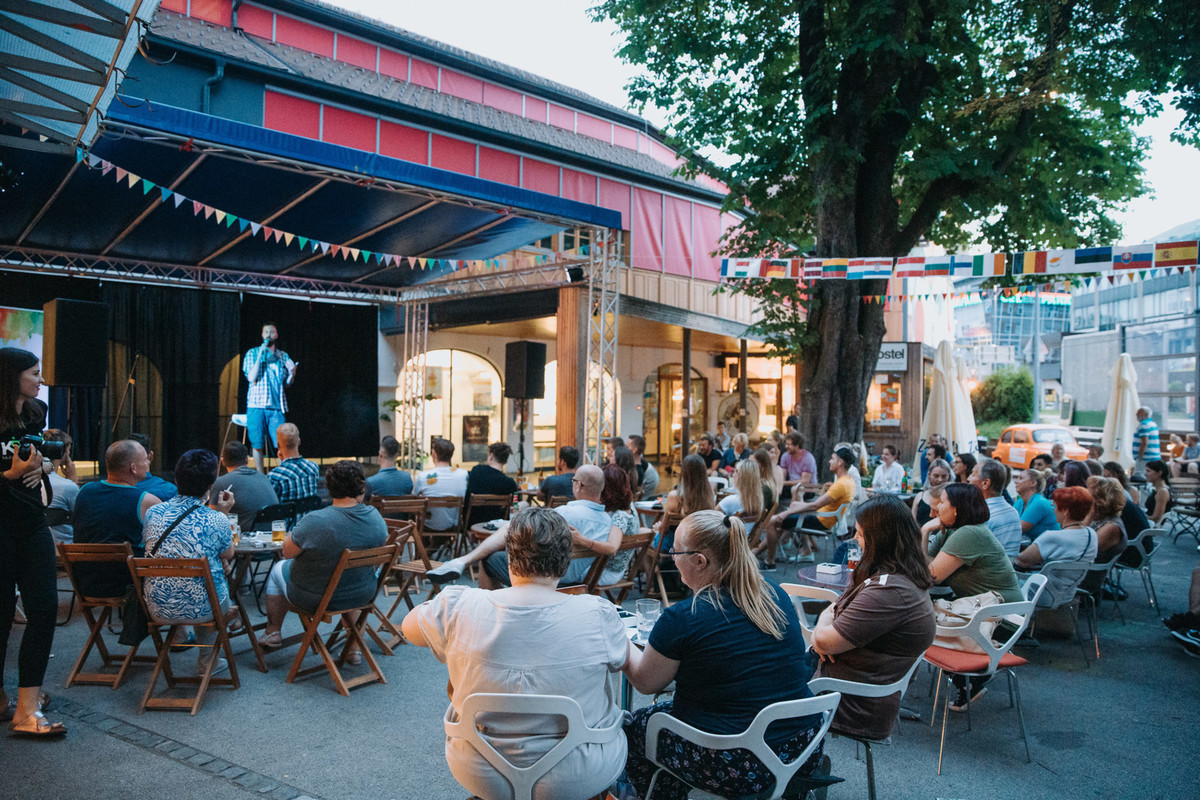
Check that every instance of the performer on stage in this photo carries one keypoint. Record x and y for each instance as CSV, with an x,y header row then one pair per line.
x,y
269,370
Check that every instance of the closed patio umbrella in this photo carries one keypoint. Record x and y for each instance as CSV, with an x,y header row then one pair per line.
x,y
948,411
1120,421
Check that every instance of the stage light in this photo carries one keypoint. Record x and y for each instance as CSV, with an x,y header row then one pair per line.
x,y
9,177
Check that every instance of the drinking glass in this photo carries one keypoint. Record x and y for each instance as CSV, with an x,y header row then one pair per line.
x,y
648,612
278,530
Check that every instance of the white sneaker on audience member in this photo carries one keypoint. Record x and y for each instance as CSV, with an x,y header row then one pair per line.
x,y
450,571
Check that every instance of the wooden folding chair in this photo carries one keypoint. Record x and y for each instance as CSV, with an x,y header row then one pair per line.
x,y
556,500
502,503
639,543
70,555
399,534
655,587
375,558
411,572
197,569
451,539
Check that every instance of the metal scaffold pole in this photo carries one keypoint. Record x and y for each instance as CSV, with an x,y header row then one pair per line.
x,y
410,425
604,272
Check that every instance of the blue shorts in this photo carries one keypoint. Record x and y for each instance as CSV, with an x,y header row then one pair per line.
x,y
258,419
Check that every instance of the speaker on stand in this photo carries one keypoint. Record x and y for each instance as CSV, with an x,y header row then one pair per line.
x,y
524,379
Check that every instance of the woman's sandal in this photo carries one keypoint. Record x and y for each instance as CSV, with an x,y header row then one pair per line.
x,y
9,711
272,639
36,724
355,658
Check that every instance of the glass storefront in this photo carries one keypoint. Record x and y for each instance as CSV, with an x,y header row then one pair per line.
x,y
466,404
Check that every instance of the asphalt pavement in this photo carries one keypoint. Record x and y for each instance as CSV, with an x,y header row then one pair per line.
x,y
1121,727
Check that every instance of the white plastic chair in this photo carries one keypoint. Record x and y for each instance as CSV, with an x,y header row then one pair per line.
x,y
524,778
856,689
1145,553
752,739
994,658
1064,593
799,593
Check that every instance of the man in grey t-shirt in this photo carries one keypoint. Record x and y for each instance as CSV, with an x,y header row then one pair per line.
x,y
252,491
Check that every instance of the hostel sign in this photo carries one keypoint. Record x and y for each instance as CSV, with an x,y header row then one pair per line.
x,y
893,357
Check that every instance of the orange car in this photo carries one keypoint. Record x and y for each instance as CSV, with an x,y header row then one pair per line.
x,y
1020,443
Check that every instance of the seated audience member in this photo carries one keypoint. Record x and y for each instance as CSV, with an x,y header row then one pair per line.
x,y
1058,454
721,439
991,477
799,465
773,450
529,639
738,451
63,484
489,478
1185,626
1188,459
559,484
938,476
821,513
1071,473
1094,467
883,622
769,473
585,514
962,465
1074,541
647,474
934,450
162,489
390,481
1035,511
610,446
314,546
1095,452
623,458
889,475
1108,500
965,555
444,480
199,532
252,491
112,511
295,476
750,497
617,499
1158,496
693,493
707,450
732,649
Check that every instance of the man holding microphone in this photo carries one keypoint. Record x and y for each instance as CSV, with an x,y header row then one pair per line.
x,y
269,370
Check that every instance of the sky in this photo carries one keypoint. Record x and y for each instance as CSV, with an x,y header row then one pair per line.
x,y
557,40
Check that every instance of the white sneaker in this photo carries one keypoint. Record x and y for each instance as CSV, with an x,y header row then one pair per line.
x,y
450,571
218,668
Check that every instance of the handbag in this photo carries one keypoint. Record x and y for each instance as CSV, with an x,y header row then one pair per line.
x,y
135,626
957,613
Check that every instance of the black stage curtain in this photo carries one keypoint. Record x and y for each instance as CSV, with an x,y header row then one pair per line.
x,y
334,399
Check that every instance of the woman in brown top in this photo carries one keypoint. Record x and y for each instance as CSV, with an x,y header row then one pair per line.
x,y
883,622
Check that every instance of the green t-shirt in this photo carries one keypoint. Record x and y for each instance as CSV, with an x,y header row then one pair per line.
x,y
985,565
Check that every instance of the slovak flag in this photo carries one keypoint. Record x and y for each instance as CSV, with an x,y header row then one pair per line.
x,y
1133,256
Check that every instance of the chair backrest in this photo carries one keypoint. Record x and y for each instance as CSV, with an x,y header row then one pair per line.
x,y
446,501
839,515
556,500
306,504
72,554
375,558
1017,614
197,568
1142,545
403,508
268,514
524,778
501,502
753,738
799,593
858,689
1063,578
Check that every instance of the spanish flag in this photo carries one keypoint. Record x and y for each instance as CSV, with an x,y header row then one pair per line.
x,y
1175,254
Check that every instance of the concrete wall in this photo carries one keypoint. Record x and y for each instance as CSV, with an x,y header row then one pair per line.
x,y
1087,360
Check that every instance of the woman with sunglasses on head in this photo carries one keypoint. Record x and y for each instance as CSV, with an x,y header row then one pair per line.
x,y
732,649
884,620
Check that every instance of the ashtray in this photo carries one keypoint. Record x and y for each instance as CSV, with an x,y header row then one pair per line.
x,y
829,569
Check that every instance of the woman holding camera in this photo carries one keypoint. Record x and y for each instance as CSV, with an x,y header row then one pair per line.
x,y
26,544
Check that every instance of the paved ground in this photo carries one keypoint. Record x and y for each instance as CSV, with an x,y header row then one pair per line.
x,y
1122,727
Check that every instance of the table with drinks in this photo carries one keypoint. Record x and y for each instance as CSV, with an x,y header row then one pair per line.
x,y
250,544
638,625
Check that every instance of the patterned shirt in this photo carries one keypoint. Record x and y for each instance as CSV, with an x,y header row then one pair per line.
x,y
203,534
295,478
267,372
1149,429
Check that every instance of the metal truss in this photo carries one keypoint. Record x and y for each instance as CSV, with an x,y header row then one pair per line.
x,y
467,282
604,296
410,412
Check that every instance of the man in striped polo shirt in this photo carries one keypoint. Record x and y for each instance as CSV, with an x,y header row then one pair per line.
x,y
1146,446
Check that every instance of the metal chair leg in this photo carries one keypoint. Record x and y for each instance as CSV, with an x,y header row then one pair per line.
x,y
870,772
1012,681
945,713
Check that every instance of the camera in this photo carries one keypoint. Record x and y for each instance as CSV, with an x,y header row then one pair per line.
x,y
50,450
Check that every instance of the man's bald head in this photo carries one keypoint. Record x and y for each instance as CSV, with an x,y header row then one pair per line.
x,y
122,458
591,482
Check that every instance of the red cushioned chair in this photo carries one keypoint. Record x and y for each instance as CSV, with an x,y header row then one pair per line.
x,y
994,658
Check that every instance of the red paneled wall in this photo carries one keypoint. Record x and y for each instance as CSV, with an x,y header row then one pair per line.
x,y
464,86
539,176
424,74
292,115
453,154
562,117
647,229
677,236
615,197
393,64
303,35
403,142
178,6
499,166
535,109
706,234
579,186
503,99
356,52
218,12
591,126
257,21
349,129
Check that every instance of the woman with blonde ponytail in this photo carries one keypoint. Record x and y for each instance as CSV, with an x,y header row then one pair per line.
x,y
732,650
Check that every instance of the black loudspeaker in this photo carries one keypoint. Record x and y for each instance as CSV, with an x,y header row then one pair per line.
x,y
75,343
525,370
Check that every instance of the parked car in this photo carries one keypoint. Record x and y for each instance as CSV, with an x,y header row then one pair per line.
x,y
1020,443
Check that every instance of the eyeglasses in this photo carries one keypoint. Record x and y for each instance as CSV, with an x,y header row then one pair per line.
x,y
575,481
674,552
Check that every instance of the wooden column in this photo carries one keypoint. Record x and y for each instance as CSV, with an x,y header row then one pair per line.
x,y
571,346
685,428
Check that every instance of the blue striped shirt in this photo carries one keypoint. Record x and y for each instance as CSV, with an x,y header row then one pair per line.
x,y
295,478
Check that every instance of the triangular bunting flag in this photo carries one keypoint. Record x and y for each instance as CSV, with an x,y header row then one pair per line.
x,y
147,186
287,239
230,219
133,179
303,242
178,198
121,174
220,215
255,228
243,224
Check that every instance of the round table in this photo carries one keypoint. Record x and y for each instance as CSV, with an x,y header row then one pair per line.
x,y
648,511
480,530
837,582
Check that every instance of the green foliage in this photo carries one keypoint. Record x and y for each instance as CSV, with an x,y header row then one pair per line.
x,y
1005,396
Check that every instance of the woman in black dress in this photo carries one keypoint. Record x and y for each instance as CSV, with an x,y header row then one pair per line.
x,y
26,544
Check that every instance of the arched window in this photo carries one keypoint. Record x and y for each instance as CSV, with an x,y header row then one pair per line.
x,y
545,414
465,406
